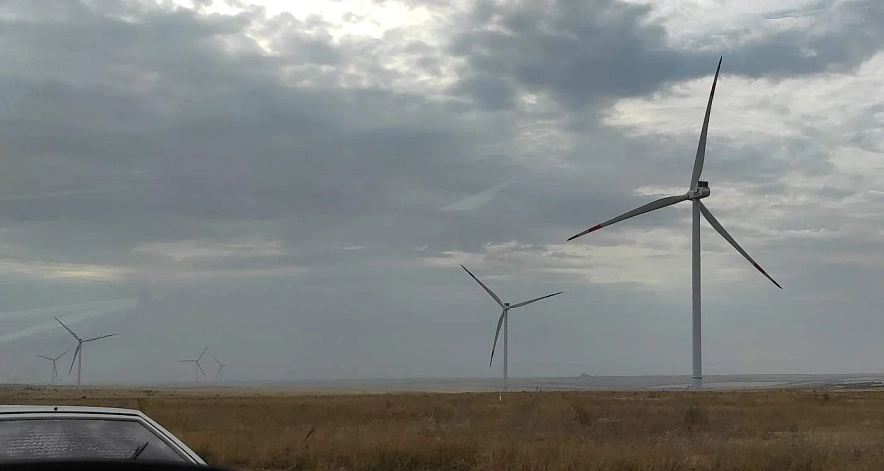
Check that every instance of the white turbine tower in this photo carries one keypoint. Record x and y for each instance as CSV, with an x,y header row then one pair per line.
x,y
220,366
197,367
504,318
78,353
53,360
698,190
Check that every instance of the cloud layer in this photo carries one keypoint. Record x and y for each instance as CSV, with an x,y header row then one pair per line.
x,y
281,175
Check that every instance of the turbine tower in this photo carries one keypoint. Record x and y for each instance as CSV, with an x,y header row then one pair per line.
x,y
78,353
53,360
220,366
197,367
698,190
504,317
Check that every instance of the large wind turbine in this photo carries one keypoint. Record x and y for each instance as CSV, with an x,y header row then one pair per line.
x,y
53,360
698,190
78,353
197,367
504,317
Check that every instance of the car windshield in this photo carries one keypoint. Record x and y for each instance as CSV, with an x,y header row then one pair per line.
x,y
75,438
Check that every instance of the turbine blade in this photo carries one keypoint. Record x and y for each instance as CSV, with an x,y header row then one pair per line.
x,y
483,286
63,354
653,205
49,325
216,360
200,367
69,330
73,360
718,227
701,147
535,300
186,361
50,359
496,334
201,354
99,338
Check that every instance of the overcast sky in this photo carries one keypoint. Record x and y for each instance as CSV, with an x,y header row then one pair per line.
x,y
285,182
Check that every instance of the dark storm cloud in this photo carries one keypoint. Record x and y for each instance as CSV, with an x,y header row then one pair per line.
x,y
581,52
590,52
842,35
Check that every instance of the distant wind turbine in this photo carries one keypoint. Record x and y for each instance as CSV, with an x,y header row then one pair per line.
x,y
698,190
53,360
220,366
504,317
197,367
78,353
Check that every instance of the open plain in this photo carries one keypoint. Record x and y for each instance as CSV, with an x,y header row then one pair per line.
x,y
263,429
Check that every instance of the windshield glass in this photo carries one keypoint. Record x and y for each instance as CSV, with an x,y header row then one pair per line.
x,y
33,439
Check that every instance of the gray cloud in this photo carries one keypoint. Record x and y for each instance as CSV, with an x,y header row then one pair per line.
x,y
589,53
840,36
292,197
582,52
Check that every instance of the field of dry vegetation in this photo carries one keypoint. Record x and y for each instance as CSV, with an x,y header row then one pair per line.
x,y
251,430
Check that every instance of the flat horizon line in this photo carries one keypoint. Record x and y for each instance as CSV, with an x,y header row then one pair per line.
x,y
222,382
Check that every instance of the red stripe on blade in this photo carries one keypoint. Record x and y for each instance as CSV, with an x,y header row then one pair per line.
x,y
593,228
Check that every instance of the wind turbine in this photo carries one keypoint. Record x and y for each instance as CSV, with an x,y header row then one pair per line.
x,y
78,353
504,317
197,367
53,360
220,366
698,190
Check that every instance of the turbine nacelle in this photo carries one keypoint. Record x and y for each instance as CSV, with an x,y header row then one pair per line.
x,y
702,191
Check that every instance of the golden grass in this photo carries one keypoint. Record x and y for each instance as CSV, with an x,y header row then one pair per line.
x,y
772,430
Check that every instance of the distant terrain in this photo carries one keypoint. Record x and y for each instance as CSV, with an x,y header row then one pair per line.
x,y
263,429
579,383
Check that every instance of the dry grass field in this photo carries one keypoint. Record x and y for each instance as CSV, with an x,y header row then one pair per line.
x,y
271,430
